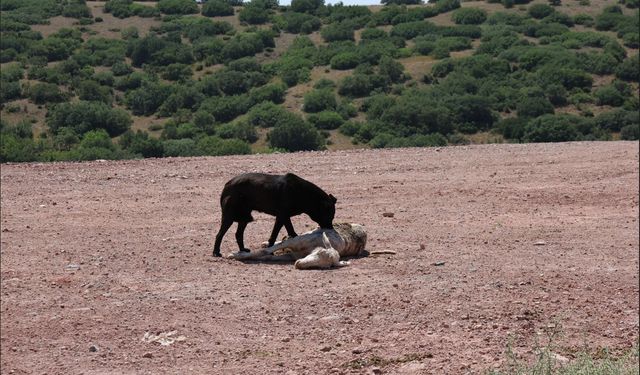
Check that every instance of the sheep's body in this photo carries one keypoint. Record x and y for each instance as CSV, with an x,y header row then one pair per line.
x,y
320,248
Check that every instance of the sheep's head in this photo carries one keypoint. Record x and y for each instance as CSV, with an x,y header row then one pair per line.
x,y
320,257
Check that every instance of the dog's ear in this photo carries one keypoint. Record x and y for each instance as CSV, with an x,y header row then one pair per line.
x,y
333,199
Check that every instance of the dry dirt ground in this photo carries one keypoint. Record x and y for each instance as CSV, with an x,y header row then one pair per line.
x,y
494,244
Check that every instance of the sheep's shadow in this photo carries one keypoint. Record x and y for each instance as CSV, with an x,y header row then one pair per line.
x,y
281,260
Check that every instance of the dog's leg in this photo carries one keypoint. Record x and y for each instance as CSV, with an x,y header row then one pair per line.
x,y
289,226
240,235
224,227
276,229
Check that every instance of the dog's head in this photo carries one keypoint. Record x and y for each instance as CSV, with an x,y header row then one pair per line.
x,y
325,212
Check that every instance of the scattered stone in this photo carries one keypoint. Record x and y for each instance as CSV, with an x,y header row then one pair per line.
x,y
72,267
147,355
357,351
388,214
325,349
539,243
376,370
438,264
93,348
422,247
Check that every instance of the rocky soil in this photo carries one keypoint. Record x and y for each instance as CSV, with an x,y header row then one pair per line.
x,y
494,245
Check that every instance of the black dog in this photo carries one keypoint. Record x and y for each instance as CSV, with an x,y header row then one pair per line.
x,y
280,196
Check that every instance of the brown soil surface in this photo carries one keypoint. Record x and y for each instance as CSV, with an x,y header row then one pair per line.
x,y
534,238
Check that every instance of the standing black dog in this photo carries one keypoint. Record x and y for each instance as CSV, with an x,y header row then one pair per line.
x,y
280,196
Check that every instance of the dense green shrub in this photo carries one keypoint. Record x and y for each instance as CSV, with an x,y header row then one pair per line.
x,y
84,116
319,100
345,60
146,99
76,10
373,33
337,31
325,120
241,130
256,12
551,128
630,132
292,133
226,108
469,16
266,114
540,11
91,90
273,92
357,85
141,144
617,119
217,8
42,93
216,146
300,22
534,106
177,6
629,69
609,95
179,147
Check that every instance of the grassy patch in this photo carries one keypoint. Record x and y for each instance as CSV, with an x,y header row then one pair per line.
x,y
548,360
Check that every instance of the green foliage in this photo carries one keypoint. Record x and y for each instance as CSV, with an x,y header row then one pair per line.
x,y
325,120
629,69
552,128
140,143
534,106
241,130
292,133
337,31
630,132
127,8
319,100
357,85
85,116
397,2
146,99
300,22
91,90
42,93
76,10
266,114
345,60
256,12
617,119
609,95
540,11
306,6
469,16
226,108
273,92
179,147
217,8
216,146
177,6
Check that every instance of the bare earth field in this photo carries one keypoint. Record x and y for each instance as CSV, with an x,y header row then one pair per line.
x,y
534,238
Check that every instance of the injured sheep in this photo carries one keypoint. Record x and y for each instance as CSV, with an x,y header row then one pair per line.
x,y
320,248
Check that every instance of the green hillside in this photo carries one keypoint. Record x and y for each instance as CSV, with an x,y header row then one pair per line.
x,y
123,79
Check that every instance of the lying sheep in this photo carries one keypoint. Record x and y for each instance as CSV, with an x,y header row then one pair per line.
x,y
320,248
